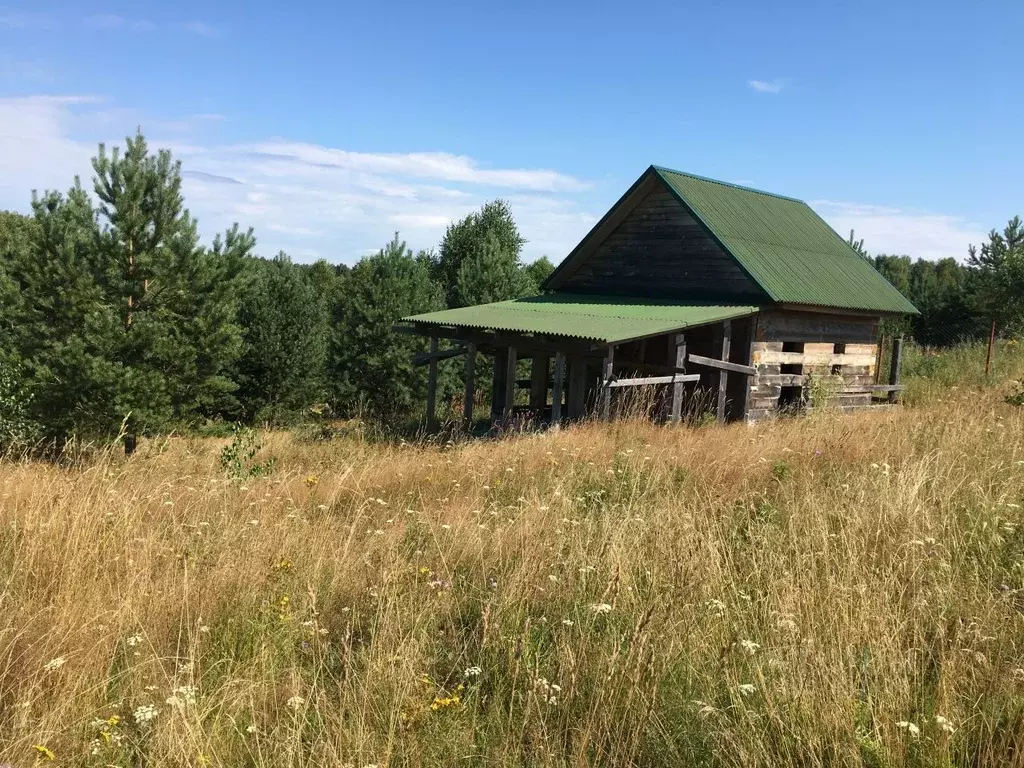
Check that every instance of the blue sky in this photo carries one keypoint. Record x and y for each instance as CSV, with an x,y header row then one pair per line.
x,y
327,126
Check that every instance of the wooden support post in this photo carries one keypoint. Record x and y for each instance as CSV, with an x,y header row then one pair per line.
x,y
539,384
606,380
894,368
556,388
991,344
432,387
677,389
498,386
510,384
878,359
577,386
723,376
467,402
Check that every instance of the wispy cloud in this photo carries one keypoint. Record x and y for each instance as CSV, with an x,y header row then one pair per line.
x,y
113,21
767,86
16,19
202,29
894,230
306,199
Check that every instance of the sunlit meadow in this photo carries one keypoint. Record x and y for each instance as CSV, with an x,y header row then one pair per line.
x,y
834,590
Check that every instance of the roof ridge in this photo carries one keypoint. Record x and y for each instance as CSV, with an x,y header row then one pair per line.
x,y
662,169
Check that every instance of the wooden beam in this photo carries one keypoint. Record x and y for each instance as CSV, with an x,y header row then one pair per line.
x,y
510,383
894,368
711,362
556,388
432,387
523,342
863,389
677,378
470,393
723,375
678,390
606,390
498,386
577,386
422,358
539,383
748,381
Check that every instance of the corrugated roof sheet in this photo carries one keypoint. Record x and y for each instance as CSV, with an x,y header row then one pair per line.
x,y
604,319
785,247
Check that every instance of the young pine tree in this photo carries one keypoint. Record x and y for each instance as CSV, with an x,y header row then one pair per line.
x,y
371,365
285,317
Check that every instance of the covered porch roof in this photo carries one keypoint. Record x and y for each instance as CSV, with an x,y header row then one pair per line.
x,y
604,319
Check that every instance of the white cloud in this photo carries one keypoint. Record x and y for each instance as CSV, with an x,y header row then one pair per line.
x,y
892,230
767,86
113,21
311,201
202,29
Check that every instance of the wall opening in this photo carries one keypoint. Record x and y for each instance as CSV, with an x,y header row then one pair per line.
x,y
791,399
839,349
796,368
837,370
793,346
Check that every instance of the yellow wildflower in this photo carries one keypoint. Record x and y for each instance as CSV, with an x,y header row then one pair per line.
x,y
44,751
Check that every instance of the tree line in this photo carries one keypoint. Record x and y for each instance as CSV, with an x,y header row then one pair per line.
x,y
116,320
959,301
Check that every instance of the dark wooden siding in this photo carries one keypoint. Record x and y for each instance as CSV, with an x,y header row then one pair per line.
x,y
660,250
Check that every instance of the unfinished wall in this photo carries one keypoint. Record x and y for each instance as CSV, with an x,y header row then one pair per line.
x,y
790,347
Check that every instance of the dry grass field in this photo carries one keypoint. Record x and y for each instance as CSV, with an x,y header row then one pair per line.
x,y
816,592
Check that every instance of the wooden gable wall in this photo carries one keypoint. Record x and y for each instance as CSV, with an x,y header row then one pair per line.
x,y
660,250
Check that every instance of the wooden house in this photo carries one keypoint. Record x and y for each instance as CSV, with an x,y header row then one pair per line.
x,y
687,285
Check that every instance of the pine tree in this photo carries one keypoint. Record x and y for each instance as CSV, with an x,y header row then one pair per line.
x,y
488,273
285,317
999,290
491,228
371,365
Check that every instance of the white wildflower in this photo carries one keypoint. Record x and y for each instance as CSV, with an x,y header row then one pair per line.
x,y
295,703
145,714
715,606
944,724
910,728
746,689
54,664
134,640
749,647
600,608
473,672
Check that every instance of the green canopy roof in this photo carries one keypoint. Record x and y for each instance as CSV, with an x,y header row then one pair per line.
x,y
785,247
604,319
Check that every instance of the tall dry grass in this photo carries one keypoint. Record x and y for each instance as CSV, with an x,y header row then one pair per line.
x,y
822,591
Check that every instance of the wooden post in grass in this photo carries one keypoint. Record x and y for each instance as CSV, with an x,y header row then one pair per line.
x,y
510,384
677,388
991,345
539,385
556,388
894,368
723,376
467,402
577,386
432,387
606,380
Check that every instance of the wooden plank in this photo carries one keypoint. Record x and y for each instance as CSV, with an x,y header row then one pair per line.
x,y
510,383
894,368
677,390
577,386
677,378
470,391
498,385
710,362
539,383
723,375
606,391
862,389
432,387
423,358
556,388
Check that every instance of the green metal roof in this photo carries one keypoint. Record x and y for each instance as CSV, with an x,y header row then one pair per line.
x,y
599,318
785,247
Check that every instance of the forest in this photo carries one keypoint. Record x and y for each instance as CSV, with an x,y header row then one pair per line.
x,y
115,320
